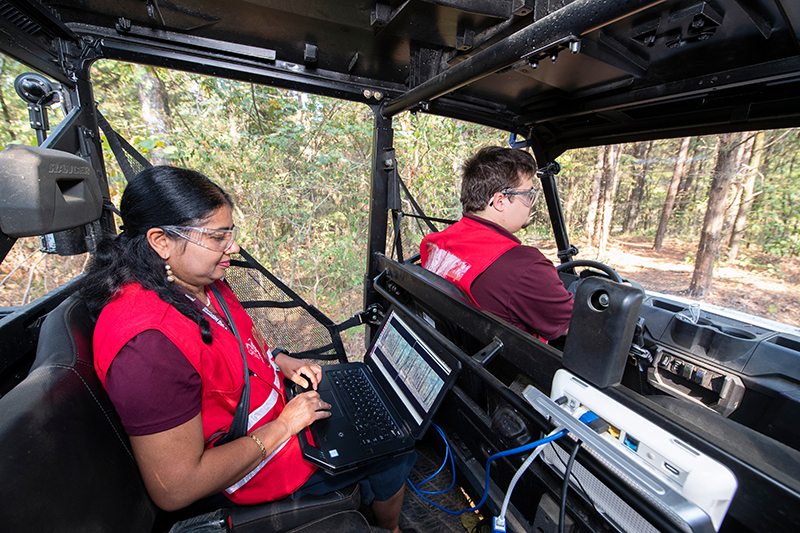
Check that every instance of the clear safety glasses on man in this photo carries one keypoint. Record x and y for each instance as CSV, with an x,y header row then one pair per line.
x,y
528,197
217,240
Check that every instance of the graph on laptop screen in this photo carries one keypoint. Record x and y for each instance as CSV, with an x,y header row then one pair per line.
x,y
409,365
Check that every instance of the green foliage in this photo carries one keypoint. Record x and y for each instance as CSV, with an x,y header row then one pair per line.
x,y
774,227
430,151
298,167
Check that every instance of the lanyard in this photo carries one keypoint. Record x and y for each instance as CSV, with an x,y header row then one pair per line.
x,y
208,312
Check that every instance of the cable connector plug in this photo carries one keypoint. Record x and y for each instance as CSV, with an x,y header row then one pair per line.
x,y
498,525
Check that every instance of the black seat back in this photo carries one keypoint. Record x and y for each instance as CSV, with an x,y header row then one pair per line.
x,y
66,462
444,284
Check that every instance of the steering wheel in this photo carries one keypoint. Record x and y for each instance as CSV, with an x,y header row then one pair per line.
x,y
597,265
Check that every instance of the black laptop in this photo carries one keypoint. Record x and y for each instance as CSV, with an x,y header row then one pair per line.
x,y
381,407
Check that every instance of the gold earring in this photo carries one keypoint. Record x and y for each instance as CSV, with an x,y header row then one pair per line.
x,y
170,277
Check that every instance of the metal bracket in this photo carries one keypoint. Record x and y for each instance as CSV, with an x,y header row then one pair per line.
x,y
393,200
639,354
550,170
514,143
551,50
569,253
486,354
40,93
373,314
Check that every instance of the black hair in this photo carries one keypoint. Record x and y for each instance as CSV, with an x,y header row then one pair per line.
x,y
157,196
491,170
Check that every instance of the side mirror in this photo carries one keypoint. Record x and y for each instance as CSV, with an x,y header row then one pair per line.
x,y
44,191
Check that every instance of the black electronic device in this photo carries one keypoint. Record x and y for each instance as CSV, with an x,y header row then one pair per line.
x,y
601,330
382,406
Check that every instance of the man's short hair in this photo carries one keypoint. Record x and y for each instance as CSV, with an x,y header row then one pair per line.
x,y
491,170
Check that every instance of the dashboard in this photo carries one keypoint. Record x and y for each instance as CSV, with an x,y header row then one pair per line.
x,y
741,367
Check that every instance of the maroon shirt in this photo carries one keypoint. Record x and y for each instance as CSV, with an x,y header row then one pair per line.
x,y
165,385
523,288
152,385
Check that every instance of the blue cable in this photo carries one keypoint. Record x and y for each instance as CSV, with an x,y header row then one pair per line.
x,y
512,451
447,454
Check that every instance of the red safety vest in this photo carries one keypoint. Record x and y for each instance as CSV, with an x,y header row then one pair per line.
x,y
222,371
463,251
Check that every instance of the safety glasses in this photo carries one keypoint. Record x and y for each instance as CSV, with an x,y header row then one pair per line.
x,y
528,197
217,240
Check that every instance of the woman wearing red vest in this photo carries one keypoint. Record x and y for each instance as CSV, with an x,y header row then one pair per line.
x,y
173,367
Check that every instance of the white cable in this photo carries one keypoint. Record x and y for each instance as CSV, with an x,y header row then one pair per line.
x,y
532,457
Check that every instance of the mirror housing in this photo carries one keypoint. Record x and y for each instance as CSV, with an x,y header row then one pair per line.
x,y
44,191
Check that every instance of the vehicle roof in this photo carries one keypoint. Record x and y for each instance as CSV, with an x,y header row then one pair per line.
x,y
565,73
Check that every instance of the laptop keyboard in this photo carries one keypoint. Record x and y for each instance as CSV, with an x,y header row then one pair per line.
x,y
370,417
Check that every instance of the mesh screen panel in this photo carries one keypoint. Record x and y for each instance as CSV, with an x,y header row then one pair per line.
x,y
283,318
134,163
412,230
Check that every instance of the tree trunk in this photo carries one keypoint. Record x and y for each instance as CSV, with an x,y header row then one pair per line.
x,y
155,110
261,129
672,192
747,195
6,113
572,199
642,153
743,153
610,171
708,249
597,184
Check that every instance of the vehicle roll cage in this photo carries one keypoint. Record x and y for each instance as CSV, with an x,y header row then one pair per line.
x,y
518,36
484,61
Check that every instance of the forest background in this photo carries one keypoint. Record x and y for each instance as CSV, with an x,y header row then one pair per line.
x,y
669,214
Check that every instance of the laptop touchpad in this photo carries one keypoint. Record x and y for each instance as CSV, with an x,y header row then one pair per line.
x,y
329,397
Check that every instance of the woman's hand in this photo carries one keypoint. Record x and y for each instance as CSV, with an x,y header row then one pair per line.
x,y
177,470
303,410
305,374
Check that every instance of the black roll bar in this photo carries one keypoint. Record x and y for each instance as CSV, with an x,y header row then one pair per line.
x,y
383,166
566,24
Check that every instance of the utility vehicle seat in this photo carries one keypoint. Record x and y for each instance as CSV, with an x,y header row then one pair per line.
x,y
66,463
446,285
444,326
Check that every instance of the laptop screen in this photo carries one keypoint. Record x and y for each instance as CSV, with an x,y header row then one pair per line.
x,y
410,366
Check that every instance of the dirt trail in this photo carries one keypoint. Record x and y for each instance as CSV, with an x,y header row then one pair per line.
x,y
768,287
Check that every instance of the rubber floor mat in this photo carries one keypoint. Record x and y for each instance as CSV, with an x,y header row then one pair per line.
x,y
423,516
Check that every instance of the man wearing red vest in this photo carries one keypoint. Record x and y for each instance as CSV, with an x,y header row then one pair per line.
x,y
481,255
